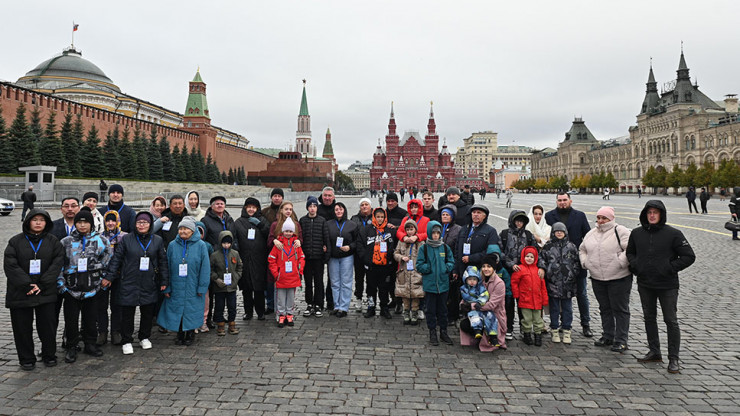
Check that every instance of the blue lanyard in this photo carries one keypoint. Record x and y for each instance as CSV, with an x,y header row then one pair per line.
x,y
35,249
110,239
84,243
184,251
472,229
289,252
364,222
69,229
342,228
223,222
444,230
226,259
147,244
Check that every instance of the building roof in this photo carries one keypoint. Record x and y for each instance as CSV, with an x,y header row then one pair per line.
x,y
304,102
197,105
579,132
409,134
65,70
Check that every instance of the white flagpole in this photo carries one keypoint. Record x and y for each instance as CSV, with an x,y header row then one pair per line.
x,y
73,33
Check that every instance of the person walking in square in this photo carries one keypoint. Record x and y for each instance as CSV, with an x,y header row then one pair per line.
x,y
28,198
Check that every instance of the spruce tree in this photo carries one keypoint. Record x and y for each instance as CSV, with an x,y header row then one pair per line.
x,y
36,138
155,157
141,150
198,165
52,151
177,162
168,166
135,158
225,178
187,165
65,136
77,145
19,135
110,154
92,157
241,176
125,149
6,152
230,178
212,175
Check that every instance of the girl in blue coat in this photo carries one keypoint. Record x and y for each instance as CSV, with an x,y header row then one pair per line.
x,y
190,274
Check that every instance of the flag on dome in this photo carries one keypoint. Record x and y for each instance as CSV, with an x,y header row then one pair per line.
x,y
75,26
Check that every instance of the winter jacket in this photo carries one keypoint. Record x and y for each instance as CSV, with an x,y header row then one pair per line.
x,y
527,286
187,294
691,194
421,222
656,253
169,235
396,215
214,226
435,265
577,224
704,196
277,262
139,287
462,218
559,259
735,201
28,198
114,236
474,294
315,237
96,249
125,212
483,239
326,211
218,266
347,230
99,222
371,237
61,229
17,262
432,214
603,255
513,240
451,231
253,252
468,197
408,282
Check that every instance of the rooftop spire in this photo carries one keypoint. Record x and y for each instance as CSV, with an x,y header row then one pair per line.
x,y
392,115
304,102
431,109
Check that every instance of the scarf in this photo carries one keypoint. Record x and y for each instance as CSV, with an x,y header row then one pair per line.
x,y
379,258
541,230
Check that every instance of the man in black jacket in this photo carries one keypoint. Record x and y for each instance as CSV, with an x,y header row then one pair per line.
x,y
326,208
468,197
427,200
315,248
125,212
463,209
217,219
172,216
28,198
656,253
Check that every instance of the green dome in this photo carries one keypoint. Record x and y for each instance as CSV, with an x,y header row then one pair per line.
x,y
67,70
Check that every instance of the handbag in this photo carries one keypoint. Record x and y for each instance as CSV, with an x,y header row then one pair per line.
x,y
733,225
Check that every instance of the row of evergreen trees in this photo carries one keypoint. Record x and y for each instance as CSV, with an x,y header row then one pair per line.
x,y
122,154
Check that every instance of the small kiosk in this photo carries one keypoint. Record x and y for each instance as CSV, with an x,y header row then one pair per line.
x,y
42,179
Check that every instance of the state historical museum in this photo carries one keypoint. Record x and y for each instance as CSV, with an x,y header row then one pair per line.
x,y
412,161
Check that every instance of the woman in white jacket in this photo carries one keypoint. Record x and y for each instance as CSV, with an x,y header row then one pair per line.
x,y
602,252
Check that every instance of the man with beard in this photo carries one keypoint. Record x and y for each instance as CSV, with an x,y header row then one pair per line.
x,y
126,214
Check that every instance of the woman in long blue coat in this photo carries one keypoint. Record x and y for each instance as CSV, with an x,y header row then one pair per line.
x,y
190,274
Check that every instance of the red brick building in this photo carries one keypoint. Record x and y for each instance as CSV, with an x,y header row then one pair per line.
x,y
412,161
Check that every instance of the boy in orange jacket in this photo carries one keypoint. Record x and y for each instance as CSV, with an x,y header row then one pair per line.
x,y
286,266
530,291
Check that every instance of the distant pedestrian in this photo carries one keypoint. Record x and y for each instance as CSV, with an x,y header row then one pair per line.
x,y
703,199
606,193
28,198
639,192
103,187
656,253
509,196
691,198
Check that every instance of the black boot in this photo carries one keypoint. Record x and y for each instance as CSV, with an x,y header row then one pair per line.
x,y
538,340
71,355
444,337
189,338
180,340
386,313
370,312
527,338
94,350
673,366
433,337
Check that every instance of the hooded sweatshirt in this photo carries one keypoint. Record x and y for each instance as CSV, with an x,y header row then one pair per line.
x,y
513,240
421,221
527,286
657,252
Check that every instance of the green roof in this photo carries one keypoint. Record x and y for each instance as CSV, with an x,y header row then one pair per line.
x,y
304,102
197,77
197,101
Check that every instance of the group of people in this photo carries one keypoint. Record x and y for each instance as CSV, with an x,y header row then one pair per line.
x,y
183,265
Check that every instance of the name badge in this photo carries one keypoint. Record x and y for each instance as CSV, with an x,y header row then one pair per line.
x,y
34,267
183,270
82,265
383,247
288,267
250,234
340,241
227,278
410,265
466,249
144,264
166,226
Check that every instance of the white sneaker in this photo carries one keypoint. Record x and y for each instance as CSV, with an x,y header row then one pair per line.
x,y
145,344
128,349
421,314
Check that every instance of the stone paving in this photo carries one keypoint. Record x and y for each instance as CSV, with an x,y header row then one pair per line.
x,y
380,367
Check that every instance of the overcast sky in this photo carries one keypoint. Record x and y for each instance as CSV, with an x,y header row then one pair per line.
x,y
522,69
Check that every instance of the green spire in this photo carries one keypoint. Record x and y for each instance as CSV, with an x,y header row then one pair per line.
x,y
328,148
304,102
197,105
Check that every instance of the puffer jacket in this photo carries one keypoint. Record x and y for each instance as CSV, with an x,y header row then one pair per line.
x,y
169,235
527,286
409,283
559,259
603,255
421,221
435,265
94,247
214,226
513,240
137,287
17,261
657,252
315,237
253,252
277,260
218,266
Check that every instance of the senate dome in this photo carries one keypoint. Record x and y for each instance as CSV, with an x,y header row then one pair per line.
x,y
67,71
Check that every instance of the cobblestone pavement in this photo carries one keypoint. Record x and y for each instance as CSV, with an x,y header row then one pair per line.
x,y
379,367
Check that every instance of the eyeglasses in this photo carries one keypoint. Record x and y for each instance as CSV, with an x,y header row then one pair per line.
x,y
142,222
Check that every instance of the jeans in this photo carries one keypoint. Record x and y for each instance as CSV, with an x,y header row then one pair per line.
x,y
313,275
22,321
145,322
582,298
378,285
224,299
436,310
669,305
561,313
614,306
340,273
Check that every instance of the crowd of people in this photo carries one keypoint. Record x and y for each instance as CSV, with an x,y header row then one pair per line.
x,y
182,266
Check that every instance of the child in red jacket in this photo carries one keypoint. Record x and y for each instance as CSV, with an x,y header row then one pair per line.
x,y
286,266
530,291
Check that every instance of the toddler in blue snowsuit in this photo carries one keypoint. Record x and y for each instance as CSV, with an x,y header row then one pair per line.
x,y
474,292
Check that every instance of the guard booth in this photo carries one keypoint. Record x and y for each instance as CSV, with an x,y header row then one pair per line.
x,y
42,179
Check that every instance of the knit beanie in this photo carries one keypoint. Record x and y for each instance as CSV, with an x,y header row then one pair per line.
x,y
607,212
277,191
288,225
84,215
144,216
89,195
391,196
559,226
364,200
312,200
115,188
187,222
453,190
